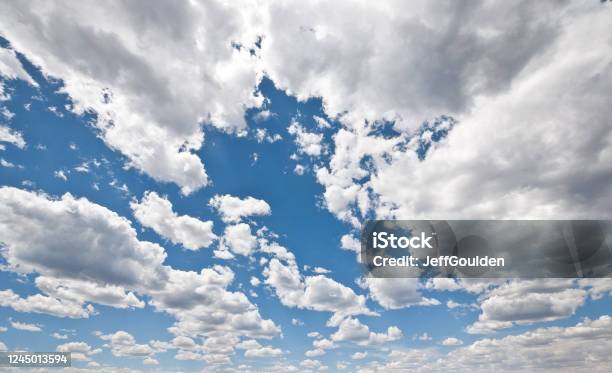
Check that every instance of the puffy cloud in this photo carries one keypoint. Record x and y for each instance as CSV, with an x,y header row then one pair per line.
x,y
454,180
123,344
149,104
451,341
80,291
233,209
359,355
25,326
239,239
527,302
308,143
150,361
12,137
63,240
10,68
254,349
202,306
155,212
44,304
581,348
69,238
352,330
3,347
394,293
318,293
80,351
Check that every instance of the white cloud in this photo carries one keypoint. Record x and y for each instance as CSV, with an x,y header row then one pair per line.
x,y
202,306
5,163
255,281
123,344
72,237
314,353
239,239
150,105
44,304
352,330
57,335
308,143
359,355
452,341
80,291
79,351
11,137
310,363
261,134
395,293
26,327
297,322
150,361
3,347
233,209
527,302
299,169
496,115
155,212
60,174
10,67
254,349
581,348
318,293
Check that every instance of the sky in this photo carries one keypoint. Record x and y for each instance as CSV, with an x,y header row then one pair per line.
x,y
182,184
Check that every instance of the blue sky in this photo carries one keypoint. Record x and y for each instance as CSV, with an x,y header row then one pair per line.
x,y
322,161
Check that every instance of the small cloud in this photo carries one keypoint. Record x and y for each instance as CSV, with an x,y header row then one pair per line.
x,y
60,175
297,322
359,355
452,341
26,327
5,163
299,169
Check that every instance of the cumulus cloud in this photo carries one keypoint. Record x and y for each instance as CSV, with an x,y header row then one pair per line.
x,y
80,291
318,293
79,351
581,348
202,305
239,239
26,327
12,137
155,212
451,341
233,209
123,344
395,293
252,348
352,330
527,302
65,247
308,143
70,237
454,180
10,68
44,304
114,59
